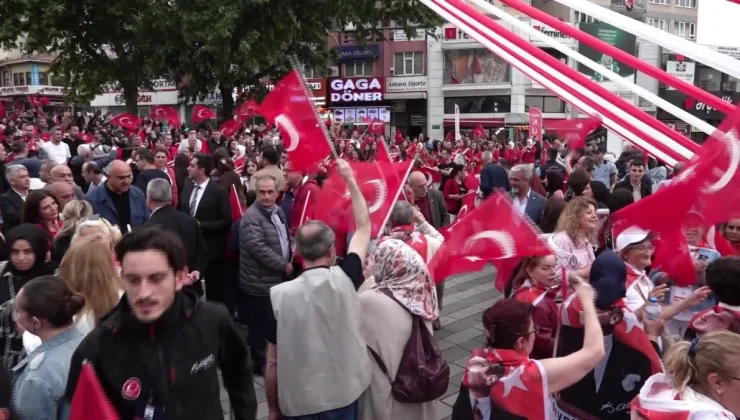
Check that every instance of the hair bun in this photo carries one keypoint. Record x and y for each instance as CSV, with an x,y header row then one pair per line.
x,y
74,304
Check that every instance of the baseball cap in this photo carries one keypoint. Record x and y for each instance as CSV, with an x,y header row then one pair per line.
x,y
630,236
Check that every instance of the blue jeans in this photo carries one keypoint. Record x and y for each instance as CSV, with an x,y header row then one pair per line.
x,y
350,412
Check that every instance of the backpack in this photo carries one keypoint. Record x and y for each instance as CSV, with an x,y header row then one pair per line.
x,y
423,373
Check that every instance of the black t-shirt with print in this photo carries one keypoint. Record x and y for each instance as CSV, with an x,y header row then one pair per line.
x,y
352,267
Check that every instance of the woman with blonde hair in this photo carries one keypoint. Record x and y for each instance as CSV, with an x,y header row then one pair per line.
x,y
102,231
573,241
72,213
700,381
88,270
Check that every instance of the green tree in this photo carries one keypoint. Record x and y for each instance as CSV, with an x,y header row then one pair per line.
x,y
232,43
97,41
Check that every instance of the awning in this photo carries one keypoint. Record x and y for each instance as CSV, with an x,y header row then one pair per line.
x,y
405,95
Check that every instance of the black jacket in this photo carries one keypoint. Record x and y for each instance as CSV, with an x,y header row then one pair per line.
x,y
172,361
213,214
188,230
645,188
11,206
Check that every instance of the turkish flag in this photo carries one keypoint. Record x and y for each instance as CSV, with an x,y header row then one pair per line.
x,y
247,110
237,211
289,107
3,111
239,164
202,113
575,131
479,239
376,126
431,175
380,185
479,131
468,205
383,155
37,100
166,113
126,120
89,400
230,127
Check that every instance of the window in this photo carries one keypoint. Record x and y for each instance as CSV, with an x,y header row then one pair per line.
x,y
550,104
479,104
6,79
358,69
686,3
408,64
666,2
57,80
661,24
43,79
709,78
474,66
686,30
584,18
19,79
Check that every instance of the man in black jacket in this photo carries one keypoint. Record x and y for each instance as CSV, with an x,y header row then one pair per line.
x,y
159,350
635,181
209,204
11,202
186,227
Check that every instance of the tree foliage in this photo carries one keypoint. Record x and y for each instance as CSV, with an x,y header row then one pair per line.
x,y
201,44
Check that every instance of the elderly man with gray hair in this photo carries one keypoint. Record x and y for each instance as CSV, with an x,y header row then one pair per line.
x,y
318,314
526,201
183,225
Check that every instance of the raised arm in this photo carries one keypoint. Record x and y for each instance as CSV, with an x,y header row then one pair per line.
x,y
361,239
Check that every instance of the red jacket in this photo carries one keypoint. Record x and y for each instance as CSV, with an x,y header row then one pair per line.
x,y
301,194
512,155
527,156
451,188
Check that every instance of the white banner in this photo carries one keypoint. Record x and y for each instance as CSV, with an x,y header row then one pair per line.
x,y
681,70
457,123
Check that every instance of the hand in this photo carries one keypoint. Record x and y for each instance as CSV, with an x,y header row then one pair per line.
x,y
193,276
345,171
659,292
418,216
662,278
585,292
274,416
653,329
697,296
289,269
446,172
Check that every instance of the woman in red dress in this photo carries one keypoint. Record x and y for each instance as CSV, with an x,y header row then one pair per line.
x,y
42,210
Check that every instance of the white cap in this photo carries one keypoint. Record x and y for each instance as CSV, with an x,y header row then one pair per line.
x,y
630,236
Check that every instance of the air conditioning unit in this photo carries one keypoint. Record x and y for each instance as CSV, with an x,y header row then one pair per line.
x,y
333,71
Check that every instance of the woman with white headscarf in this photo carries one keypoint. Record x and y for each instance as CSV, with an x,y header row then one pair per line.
x,y
399,271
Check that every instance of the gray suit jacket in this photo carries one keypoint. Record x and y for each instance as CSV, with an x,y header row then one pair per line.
x,y
535,207
438,209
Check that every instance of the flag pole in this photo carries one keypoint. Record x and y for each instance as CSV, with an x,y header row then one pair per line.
x,y
400,188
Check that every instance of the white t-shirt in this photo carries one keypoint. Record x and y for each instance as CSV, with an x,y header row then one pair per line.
x,y
59,153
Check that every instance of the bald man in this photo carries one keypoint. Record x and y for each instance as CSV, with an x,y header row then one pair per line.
x,y
62,173
63,193
431,204
117,201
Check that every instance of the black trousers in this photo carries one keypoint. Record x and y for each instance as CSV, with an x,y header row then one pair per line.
x,y
253,312
215,277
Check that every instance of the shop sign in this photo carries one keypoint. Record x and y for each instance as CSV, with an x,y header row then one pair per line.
x,y
360,114
142,99
681,70
31,90
400,35
356,89
358,53
158,85
406,84
549,31
317,89
696,108
453,35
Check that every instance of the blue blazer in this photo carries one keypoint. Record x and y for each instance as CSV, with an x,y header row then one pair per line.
x,y
103,205
535,207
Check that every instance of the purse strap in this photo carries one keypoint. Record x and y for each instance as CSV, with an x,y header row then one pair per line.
x,y
375,354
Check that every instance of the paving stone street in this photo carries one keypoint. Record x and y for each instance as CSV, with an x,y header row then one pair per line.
x,y
466,297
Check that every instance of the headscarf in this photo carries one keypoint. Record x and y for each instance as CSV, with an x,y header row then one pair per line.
x,y
402,271
39,242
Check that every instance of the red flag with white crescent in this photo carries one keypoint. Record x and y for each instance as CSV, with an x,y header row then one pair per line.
x,y
239,164
247,110
376,126
379,185
293,111
166,113
431,175
468,205
383,153
230,127
575,131
479,239
237,210
126,120
202,113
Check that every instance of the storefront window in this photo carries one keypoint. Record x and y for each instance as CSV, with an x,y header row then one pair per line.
x,y
479,104
710,79
19,79
474,66
549,104
43,79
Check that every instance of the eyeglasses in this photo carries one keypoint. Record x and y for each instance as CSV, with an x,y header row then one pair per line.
x,y
642,248
732,228
535,330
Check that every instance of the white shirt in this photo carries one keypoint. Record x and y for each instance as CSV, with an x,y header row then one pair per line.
x,y
521,205
59,153
185,145
639,291
199,191
23,196
94,185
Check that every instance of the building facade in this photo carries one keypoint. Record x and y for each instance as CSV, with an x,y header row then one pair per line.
x,y
23,75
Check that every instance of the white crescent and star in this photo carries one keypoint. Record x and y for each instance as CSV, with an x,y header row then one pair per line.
x,y
381,191
428,176
500,238
284,122
732,143
125,120
514,380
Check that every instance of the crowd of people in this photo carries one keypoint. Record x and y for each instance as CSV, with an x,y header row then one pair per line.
x,y
159,256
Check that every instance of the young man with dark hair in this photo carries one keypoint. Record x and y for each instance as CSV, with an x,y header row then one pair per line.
x,y
160,348
635,181
144,160
270,161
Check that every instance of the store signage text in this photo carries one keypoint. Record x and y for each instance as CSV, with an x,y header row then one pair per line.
x,y
26,90
157,85
549,31
142,99
355,52
699,106
406,84
356,90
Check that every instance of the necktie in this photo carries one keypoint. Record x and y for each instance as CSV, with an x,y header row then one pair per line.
x,y
194,200
477,414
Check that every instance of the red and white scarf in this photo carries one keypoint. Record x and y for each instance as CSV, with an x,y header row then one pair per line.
x,y
658,400
722,317
509,380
